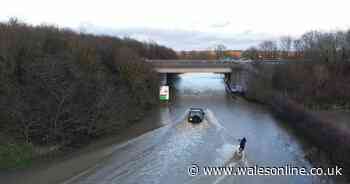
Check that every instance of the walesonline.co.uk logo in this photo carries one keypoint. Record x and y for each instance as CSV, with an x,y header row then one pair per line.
x,y
256,170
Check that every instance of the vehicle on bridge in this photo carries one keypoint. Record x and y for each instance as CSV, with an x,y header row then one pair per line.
x,y
196,115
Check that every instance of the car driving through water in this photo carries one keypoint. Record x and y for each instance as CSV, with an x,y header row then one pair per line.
x,y
196,115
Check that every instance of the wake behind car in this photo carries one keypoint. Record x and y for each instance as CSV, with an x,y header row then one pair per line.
x,y
196,115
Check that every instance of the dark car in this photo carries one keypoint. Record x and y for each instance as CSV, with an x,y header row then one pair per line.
x,y
196,115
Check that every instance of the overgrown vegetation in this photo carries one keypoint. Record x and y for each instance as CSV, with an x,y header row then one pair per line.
x,y
316,76
317,72
61,87
317,46
314,85
294,88
15,155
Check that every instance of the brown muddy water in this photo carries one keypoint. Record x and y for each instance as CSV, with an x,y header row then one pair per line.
x,y
164,155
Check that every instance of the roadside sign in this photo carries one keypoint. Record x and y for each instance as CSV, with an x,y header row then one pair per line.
x,y
164,93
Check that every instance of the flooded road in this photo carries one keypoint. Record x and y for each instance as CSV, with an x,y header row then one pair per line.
x,y
165,154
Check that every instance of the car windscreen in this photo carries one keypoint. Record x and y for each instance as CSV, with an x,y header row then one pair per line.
x,y
196,113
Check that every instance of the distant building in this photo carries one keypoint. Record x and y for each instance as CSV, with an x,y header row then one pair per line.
x,y
208,54
234,54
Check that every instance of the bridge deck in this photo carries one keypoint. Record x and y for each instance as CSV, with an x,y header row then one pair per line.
x,y
187,66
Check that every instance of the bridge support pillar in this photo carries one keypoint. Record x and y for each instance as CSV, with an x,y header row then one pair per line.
x,y
227,78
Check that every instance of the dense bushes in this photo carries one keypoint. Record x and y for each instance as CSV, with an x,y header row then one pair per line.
x,y
321,133
315,85
317,74
61,87
291,89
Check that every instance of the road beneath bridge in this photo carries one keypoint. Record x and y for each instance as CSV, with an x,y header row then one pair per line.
x,y
164,155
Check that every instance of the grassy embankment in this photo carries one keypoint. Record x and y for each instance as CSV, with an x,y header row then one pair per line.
x,y
60,89
292,90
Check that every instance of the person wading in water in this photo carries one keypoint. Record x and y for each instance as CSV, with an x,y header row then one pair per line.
x,y
238,155
242,144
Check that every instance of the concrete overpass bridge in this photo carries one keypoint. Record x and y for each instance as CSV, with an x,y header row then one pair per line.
x,y
194,66
235,72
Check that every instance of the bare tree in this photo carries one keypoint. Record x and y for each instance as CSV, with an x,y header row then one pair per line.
x,y
347,46
311,49
62,87
268,49
298,48
285,44
342,40
219,51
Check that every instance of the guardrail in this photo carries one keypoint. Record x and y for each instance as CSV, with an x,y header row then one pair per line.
x,y
192,63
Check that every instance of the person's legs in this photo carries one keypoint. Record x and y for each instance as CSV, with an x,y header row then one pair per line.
x,y
241,147
242,143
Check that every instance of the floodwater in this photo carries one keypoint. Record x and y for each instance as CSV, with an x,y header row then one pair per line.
x,y
166,154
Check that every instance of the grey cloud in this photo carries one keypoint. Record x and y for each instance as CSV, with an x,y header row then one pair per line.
x,y
186,40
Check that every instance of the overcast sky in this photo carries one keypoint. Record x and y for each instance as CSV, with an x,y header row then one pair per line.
x,y
185,24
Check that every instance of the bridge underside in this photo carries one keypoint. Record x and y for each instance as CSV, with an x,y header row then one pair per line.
x,y
194,70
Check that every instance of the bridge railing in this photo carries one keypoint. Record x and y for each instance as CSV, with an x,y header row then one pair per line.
x,y
192,63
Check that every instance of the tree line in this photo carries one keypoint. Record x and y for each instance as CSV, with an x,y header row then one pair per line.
x,y
295,89
58,86
312,45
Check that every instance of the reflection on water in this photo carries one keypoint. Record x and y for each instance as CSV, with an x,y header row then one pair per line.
x,y
269,144
164,155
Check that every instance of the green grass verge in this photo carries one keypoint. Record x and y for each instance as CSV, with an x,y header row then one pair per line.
x,y
15,155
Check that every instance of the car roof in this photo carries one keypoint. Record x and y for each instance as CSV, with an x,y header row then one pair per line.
x,y
196,109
